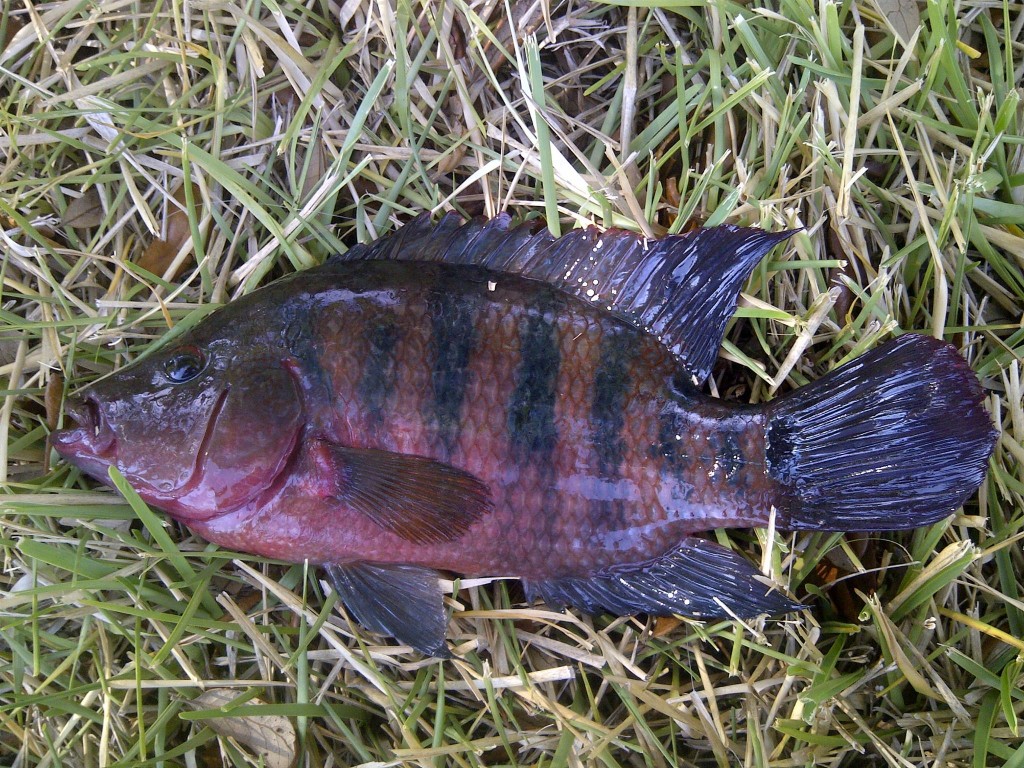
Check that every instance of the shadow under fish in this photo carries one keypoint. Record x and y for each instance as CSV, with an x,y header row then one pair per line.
x,y
493,401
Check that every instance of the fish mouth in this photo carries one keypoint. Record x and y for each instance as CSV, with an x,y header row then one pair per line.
x,y
89,442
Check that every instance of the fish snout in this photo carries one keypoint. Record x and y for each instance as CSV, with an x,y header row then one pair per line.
x,y
89,434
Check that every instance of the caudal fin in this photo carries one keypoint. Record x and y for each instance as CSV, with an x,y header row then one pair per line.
x,y
896,439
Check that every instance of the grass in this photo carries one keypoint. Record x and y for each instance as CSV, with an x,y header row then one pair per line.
x,y
157,158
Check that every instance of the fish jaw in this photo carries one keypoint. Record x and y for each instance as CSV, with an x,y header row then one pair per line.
x,y
90,444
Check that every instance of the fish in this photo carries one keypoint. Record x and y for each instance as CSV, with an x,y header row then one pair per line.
x,y
485,399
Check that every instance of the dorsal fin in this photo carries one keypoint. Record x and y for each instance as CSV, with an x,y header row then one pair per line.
x,y
681,288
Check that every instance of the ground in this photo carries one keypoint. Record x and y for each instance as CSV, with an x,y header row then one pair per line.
x,y
159,157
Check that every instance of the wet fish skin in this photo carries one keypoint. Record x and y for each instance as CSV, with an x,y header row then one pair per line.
x,y
579,468
486,400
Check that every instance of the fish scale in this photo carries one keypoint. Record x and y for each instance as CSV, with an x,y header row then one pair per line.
x,y
556,482
562,483
491,401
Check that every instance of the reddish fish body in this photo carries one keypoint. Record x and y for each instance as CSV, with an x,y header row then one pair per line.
x,y
593,447
494,402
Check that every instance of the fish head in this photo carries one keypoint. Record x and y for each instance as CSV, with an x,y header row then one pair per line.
x,y
197,428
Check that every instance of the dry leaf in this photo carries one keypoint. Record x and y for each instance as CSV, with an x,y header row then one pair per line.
x,y
52,398
317,167
161,253
525,20
9,341
836,251
903,16
664,625
450,161
85,211
9,27
271,737
843,581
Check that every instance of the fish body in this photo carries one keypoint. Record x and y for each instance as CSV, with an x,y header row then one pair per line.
x,y
491,401
590,450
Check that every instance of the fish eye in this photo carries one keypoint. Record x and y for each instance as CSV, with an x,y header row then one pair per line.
x,y
184,365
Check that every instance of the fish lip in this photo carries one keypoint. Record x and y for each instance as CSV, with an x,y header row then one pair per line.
x,y
90,436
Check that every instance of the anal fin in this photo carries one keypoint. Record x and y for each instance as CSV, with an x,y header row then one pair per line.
x,y
697,579
403,601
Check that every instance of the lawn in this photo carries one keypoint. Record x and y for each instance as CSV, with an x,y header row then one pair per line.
x,y
159,157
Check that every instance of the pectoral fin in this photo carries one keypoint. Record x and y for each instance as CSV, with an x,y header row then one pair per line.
x,y
403,601
421,500
697,579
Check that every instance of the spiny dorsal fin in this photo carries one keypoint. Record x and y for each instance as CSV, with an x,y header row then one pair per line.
x,y
682,288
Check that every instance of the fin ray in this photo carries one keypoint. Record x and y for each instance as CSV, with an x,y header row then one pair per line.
x,y
403,601
698,579
898,438
683,288
421,500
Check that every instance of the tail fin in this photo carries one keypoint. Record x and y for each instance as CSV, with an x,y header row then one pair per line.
x,y
896,439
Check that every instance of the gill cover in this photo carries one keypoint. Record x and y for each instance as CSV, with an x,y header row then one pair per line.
x,y
249,439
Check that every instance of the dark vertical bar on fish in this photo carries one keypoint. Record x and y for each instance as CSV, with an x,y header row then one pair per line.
x,y
377,384
454,328
531,411
611,386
